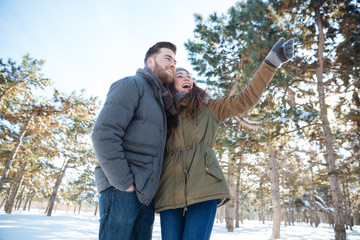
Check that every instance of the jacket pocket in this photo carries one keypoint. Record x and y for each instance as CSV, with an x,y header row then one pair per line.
x,y
141,175
141,170
212,168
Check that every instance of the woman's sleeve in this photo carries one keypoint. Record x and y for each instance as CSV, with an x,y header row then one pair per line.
x,y
237,104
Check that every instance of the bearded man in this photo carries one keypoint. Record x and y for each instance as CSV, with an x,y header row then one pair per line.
x,y
129,139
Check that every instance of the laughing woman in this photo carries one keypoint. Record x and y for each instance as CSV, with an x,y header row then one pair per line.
x,y
192,184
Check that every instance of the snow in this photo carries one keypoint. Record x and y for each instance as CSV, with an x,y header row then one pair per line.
x,y
320,199
307,204
306,116
282,120
35,225
251,122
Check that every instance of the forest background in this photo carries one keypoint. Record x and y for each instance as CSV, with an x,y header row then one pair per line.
x,y
293,158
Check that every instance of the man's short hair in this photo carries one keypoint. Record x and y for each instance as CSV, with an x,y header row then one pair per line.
x,y
156,48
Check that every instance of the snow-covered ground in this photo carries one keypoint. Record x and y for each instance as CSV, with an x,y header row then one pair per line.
x,y
34,225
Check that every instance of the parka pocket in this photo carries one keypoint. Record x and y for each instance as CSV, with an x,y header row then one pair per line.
x,y
212,168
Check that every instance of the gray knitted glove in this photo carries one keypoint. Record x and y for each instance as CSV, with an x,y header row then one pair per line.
x,y
281,52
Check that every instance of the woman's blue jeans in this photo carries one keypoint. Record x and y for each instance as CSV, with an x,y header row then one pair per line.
x,y
197,223
123,217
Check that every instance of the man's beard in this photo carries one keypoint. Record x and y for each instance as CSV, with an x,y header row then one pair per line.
x,y
162,73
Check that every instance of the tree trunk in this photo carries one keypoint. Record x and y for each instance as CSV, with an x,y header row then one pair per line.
x,y
340,233
237,205
13,154
275,194
357,215
96,209
292,205
262,215
313,217
289,209
55,190
242,203
79,208
238,196
3,201
230,207
19,199
47,208
284,214
330,219
220,213
28,198
14,190
347,205
305,219
31,201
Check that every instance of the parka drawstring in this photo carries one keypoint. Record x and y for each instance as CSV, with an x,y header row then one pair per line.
x,y
185,186
179,156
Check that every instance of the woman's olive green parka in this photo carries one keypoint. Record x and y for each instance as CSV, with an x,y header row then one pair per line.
x,y
191,172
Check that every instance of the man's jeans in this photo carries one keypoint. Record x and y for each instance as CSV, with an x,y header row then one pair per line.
x,y
123,217
197,223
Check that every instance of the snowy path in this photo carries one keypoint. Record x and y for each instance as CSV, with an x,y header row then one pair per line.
x,y
34,225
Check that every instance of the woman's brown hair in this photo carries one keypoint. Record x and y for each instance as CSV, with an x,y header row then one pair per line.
x,y
195,101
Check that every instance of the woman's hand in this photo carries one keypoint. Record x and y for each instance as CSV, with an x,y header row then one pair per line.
x,y
281,52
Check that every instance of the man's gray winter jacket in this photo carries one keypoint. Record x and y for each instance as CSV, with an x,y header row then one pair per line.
x,y
129,136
